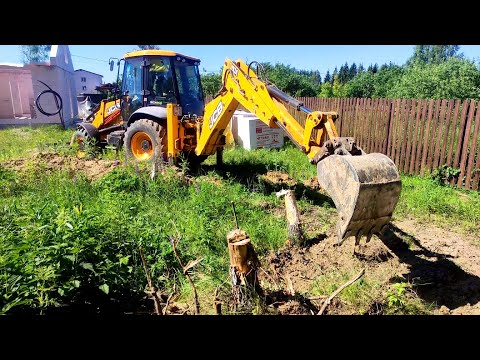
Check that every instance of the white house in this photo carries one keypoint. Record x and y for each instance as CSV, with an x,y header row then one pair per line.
x,y
86,81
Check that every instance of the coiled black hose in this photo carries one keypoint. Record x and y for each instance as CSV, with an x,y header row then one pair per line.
x,y
58,102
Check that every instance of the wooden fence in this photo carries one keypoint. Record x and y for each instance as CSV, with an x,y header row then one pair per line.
x,y
420,136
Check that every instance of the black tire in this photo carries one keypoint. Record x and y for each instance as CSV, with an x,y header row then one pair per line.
x,y
86,144
143,137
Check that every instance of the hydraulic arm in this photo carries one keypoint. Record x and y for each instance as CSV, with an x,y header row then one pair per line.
x,y
364,187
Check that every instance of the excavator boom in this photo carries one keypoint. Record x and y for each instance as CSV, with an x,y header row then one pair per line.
x,y
364,187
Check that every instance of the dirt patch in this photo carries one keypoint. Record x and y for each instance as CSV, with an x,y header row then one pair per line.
x,y
48,162
312,183
300,268
444,262
276,178
441,268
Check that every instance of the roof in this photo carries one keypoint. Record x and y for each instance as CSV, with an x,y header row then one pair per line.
x,y
89,72
158,53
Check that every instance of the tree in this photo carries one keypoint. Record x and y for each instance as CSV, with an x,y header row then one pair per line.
x,y
211,84
352,72
148,47
290,80
361,69
433,54
335,72
343,74
386,79
326,90
338,89
375,68
455,78
35,53
328,78
361,86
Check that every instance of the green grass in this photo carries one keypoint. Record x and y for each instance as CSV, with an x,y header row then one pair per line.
x,y
426,200
62,240
74,243
19,142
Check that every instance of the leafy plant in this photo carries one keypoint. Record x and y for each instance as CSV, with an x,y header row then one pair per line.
x,y
444,174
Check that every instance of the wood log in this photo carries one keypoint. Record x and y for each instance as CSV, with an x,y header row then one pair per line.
x,y
294,227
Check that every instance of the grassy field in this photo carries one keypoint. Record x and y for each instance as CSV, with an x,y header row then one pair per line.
x,y
68,243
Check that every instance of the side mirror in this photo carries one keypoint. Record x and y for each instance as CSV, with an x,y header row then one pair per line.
x,y
112,64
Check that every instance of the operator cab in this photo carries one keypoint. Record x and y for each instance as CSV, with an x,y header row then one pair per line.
x,y
159,77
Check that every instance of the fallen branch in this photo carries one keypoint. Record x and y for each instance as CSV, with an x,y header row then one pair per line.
x,y
153,289
336,292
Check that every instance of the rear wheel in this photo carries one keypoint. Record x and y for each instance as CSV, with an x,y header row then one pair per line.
x,y
143,137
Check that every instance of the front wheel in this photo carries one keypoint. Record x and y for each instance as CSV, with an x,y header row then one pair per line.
x,y
143,137
83,142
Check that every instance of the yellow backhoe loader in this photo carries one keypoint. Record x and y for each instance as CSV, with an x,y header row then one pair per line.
x,y
161,112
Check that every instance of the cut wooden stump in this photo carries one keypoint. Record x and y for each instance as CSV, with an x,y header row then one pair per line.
x,y
243,262
294,226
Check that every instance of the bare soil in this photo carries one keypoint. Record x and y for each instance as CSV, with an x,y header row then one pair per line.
x,y
93,169
442,267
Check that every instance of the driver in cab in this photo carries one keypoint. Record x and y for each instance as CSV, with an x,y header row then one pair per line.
x,y
161,84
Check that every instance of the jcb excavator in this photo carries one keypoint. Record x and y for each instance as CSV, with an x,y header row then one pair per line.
x,y
161,112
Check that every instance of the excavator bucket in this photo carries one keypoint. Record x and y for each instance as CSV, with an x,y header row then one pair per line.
x,y
365,190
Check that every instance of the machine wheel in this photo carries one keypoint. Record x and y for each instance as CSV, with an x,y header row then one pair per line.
x,y
142,137
84,142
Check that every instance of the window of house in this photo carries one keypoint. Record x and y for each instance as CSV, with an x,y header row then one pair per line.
x,y
84,79
84,88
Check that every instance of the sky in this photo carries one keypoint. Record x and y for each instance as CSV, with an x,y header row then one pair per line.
x,y
95,58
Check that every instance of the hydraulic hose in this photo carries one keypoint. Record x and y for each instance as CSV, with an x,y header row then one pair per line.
x,y
58,103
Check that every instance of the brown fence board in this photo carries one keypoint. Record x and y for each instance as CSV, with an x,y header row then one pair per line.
x,y
411,167
363,121
356,120
426,135
400,130
387,148
440,126
473,149
453,132
463,140
399,135
405,134
377,124
411,126
466,140
432,133
448,120
422,125
351,118
393,134
369,123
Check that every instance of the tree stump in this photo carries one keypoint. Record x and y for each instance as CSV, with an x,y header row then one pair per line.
x,y
294,227
243,262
